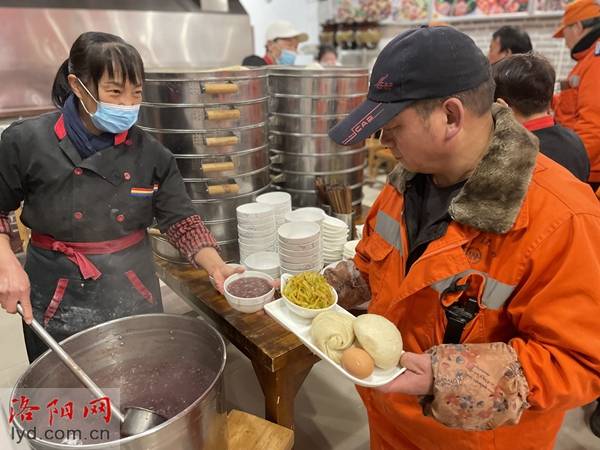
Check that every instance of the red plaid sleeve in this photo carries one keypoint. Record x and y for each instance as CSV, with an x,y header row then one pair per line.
x,y
4,224
189,236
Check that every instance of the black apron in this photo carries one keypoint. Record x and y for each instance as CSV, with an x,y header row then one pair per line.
x,y
108,196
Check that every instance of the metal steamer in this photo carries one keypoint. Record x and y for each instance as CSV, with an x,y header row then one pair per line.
x,y
304,105
215,123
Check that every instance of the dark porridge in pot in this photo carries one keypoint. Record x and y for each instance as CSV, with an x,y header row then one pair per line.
x,y
249,287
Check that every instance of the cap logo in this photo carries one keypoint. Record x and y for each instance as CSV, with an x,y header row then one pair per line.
x,y
362,123
383,85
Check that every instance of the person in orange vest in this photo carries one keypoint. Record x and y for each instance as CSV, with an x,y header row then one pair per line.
x,y
577,106
480,250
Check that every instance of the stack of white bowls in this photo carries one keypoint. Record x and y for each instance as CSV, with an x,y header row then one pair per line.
x,y
256,229
300,247
308,214
335,234
281,202
350,249
265,262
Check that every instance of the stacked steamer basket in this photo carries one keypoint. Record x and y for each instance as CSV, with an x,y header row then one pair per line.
x,y
215,125
305,104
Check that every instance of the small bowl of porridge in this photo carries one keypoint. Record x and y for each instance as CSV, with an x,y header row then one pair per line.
x,y
248,292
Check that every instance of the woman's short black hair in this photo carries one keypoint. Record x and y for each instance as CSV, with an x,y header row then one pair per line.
x,y
513,39
92,54
323,49
525,82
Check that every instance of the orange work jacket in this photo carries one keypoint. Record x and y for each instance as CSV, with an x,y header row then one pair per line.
x,y
578,106
541,295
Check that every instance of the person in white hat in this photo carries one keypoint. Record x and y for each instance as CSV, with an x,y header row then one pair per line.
x,y
281,46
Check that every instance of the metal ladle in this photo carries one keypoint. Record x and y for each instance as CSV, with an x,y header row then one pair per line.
x,y
136,420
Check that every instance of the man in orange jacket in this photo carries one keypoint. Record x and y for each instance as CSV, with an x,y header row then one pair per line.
x,y
481,250
578,105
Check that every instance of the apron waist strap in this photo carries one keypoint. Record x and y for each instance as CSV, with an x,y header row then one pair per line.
x,y
76,251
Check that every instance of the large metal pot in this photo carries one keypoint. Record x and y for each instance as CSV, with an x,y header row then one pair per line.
x,y
212,142
224,208
245,183
203,117
295,123
315,105
220,166
229,250
306,143
224,86
322,162
169,363
306,181
330,81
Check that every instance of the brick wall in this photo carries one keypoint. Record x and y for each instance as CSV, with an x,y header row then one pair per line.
x,y
540,30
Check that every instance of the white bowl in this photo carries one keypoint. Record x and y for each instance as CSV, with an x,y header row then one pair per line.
x,y
212,280
248,305
299,233
299,215
249,236
259,227
359,231
263,262
301,266
253,211
275,199
255,241
294,250
307,313
288,260
334,224
312,209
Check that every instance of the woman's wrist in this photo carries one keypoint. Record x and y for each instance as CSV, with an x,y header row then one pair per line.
x,y
209,259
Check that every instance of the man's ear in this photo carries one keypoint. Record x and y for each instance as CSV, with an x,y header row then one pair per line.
x,y
455,116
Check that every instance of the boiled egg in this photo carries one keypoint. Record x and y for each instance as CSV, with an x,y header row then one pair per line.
x,y
357,362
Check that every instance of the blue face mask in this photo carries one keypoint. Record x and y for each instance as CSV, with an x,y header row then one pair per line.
x,y
286,58
110,117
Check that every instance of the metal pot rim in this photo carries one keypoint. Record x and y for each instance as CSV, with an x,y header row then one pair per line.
x,y
220,155
208,75
147,432
205,130
205,105
239,175
335,172
332,97
310,116
331,72
352,151
217,200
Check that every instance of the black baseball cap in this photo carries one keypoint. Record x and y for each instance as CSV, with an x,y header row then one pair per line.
x,y
418,64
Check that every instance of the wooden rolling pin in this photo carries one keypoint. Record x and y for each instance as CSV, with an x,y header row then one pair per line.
x,y
221,88
221,189
222,140
223,114
217,166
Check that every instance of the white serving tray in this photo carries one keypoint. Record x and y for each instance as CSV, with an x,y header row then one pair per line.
x,y
301,328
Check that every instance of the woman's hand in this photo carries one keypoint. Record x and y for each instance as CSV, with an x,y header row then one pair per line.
x,y
14,282
221,273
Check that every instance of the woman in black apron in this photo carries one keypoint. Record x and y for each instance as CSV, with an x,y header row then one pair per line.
x,y
91,183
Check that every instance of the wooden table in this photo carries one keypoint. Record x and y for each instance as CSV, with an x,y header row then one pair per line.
x,y
248,432
281,362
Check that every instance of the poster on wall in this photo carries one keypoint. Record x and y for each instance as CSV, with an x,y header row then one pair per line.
x,y
410,10
362,10
447,9
550,5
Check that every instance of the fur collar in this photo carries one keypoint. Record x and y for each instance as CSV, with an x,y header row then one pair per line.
x,y
491,198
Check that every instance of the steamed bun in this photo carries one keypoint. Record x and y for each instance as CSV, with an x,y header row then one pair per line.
x,y
380,338
332,333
